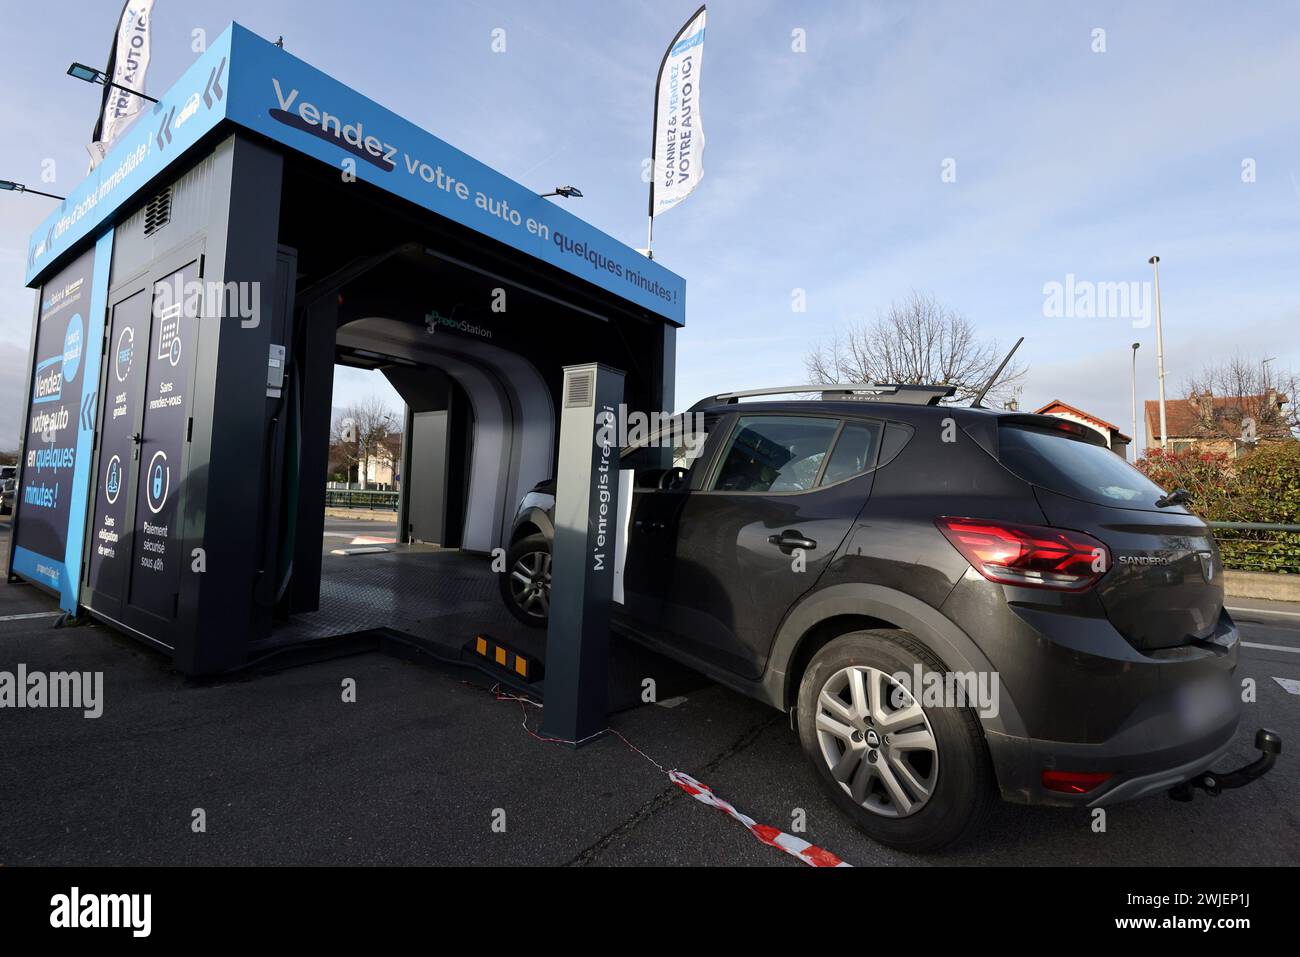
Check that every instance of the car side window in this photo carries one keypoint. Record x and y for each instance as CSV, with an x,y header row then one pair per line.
x,y
775,453
679,445
854,452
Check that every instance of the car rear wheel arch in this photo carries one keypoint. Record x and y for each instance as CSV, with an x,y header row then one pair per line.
x,y
817,619
817,637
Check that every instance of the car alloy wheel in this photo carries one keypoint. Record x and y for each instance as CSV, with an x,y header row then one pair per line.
x,y
877,741
530,583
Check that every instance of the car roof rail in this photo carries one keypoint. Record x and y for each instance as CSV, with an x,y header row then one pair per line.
x,y
856,391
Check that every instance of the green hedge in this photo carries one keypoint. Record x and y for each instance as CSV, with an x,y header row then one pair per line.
x,y
1262,486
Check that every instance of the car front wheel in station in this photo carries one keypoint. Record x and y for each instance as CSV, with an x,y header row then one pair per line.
x,y
912,777
526,583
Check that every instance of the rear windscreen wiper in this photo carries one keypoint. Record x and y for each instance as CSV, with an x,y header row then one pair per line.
x,y
1177,497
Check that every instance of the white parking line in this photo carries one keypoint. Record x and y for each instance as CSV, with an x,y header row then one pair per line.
x,y
35,614
1290,684
1253,644
1266,611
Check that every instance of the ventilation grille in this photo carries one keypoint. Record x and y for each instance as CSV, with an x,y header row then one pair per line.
x,y
578,389
158,213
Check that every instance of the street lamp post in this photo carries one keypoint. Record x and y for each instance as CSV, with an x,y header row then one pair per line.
x,y
90,74
10,185
1160,357
1133,384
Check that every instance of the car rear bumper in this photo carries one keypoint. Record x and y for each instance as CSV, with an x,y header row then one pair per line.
x,y
1155,782
1092,704
1020,763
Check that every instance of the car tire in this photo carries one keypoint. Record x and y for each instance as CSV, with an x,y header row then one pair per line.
x,y
941,796
530,556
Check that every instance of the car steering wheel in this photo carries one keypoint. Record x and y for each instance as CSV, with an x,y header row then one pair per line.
x,y
670,477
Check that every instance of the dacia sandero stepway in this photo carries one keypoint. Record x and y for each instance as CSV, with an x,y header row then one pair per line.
x,y
857,563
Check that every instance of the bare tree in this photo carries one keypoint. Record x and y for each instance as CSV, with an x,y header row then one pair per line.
x,y
916,342
1226,393
357,434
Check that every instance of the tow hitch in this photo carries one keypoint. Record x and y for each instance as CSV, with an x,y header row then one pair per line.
x,y
1268,743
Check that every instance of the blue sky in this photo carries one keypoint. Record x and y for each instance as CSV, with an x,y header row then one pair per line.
x,y
823,168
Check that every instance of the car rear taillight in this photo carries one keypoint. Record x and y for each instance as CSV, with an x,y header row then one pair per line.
x,y
1031,555
1074,782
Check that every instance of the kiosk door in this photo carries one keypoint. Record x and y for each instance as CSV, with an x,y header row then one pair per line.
x,y
124,378
134,566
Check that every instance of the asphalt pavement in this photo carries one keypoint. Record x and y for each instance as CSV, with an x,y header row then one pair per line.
x,y
427,766
379,529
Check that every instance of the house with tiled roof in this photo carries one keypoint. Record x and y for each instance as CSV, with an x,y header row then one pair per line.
x,y
1218,423
1116,440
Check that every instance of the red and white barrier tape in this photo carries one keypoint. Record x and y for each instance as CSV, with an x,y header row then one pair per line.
x,y
795,846
810,854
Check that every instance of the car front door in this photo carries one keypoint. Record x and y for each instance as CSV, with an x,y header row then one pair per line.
x,y
662,468
778,503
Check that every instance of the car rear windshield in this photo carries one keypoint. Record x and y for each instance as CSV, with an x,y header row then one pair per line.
x,y
1060,462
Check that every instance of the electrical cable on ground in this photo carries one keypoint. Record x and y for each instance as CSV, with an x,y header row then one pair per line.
x,y
773,837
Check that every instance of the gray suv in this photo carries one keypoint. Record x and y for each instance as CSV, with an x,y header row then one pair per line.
x,y
953,603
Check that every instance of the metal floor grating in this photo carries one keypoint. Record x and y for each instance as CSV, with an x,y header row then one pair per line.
x,y
447,597
442,595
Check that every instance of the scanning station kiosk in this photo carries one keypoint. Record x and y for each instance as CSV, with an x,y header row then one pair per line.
x,y
260,224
